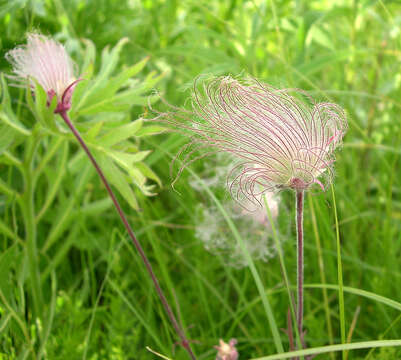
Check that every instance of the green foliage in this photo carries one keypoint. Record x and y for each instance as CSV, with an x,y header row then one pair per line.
x,y
46,180
94,297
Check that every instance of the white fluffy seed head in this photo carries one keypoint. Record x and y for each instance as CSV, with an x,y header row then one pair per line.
x,y
44,60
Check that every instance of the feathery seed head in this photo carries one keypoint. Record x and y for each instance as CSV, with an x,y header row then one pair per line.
x,y
280,138
46,61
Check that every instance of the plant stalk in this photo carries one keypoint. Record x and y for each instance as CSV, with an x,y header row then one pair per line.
x,y
300,259
184,341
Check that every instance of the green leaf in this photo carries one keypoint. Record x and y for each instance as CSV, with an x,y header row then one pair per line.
x,y
137,175
110,59
106,95
94,131
14,124
7,261
121,101
121,133
108,64
148,172
150,130
115,83
44,114
7,114
118,179
7,135
126,160
89,58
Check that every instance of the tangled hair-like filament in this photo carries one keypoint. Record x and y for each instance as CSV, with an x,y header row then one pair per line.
x,y
280,138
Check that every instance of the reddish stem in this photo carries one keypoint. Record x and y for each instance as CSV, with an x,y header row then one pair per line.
x,y
167,308
300,259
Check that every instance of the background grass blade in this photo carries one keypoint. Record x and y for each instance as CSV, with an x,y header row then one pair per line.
x,y
330,348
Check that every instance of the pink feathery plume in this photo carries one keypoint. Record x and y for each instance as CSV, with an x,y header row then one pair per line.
x,y
46,61
280,138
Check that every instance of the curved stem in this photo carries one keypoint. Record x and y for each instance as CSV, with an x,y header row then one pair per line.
x,y
167,308
300,259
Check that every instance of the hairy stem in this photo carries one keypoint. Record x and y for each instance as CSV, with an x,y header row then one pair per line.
x,y
300,259
163,299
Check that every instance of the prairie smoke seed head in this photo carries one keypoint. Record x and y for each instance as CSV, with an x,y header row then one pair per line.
x,y
280,138
46,61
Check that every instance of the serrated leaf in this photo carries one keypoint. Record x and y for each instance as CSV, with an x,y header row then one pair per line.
x,y
127,160
108,64
115,83
110,58
140,180
150,130
118,179
121,133
138,177
103,101
89,58
94,131
148,172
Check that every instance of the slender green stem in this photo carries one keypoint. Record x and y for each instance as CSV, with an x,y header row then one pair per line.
x,y
340,276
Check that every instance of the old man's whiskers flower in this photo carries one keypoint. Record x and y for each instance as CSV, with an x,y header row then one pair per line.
x,y
46,61
281,139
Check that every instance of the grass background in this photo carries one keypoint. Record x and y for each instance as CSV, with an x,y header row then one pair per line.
x,y
97,300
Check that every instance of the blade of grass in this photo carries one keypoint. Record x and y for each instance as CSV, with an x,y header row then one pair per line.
x,y
367,294
284,271
330,348
340,275
322,272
